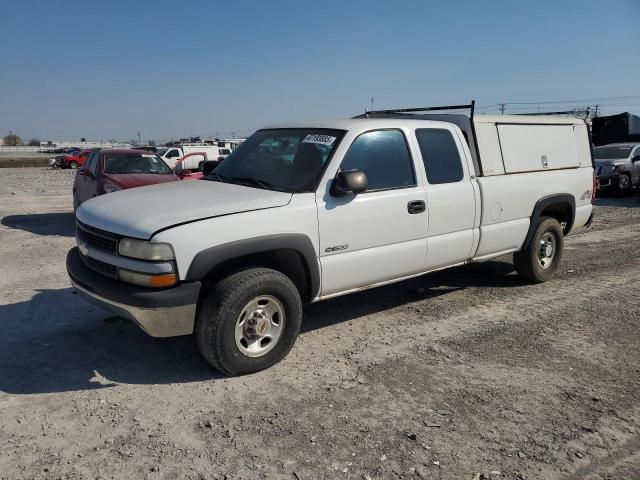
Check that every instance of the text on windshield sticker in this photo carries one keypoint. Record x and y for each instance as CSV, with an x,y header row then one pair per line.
x,y
320,139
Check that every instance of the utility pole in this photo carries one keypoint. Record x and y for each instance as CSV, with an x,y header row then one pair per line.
x,y
139,137
596,112
233,135
372,100
502,105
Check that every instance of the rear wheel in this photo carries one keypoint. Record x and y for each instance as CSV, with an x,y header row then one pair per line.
x,y
73,165
539,261
248,321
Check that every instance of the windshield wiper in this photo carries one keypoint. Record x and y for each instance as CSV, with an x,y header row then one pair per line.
x,y
252,181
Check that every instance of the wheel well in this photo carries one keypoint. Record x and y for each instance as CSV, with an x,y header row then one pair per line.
x,y
287,261
563,212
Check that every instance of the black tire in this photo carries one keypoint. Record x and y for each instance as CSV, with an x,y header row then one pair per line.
x,y
73,165
527,261
221,307
623,185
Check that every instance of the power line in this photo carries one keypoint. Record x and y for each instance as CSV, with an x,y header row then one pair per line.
x,y
573,101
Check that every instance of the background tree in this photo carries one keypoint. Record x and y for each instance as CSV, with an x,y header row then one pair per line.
x,y
34,142
12,140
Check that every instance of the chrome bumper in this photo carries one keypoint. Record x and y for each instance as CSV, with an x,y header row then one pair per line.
x,y
157,322
160,313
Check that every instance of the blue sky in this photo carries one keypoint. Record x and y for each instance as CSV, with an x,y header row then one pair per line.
x,y
107,69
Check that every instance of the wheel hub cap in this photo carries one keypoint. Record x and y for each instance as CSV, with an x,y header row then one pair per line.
x,y
547,250
259,326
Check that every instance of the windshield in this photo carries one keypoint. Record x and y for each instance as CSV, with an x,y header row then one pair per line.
x,y
118,163
608,153
290,160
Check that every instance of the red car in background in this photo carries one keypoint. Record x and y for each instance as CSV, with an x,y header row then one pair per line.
x,y
109,170
76,160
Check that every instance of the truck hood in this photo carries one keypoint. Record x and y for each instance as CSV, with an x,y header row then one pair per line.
x,y
140,212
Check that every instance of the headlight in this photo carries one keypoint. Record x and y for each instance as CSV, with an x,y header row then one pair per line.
x,y
110,188
147,280
607,169
143,250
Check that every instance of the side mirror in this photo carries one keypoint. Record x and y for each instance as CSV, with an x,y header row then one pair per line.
x,y
349,182
209,166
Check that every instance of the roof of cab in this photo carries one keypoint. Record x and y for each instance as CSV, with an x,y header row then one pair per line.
x,y
125,150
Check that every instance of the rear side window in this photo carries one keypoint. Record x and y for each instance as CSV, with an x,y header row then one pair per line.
x,y
440,155
384,157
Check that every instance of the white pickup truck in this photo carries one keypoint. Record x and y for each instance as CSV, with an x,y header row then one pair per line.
x,y
171,155
308,211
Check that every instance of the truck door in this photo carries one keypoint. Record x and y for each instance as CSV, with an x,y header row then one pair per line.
x,y
172,156
452,198
380,234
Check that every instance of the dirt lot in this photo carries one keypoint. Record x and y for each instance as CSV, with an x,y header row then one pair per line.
x,y
459,374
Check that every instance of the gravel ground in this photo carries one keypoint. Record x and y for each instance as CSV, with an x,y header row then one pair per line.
x,y
463,374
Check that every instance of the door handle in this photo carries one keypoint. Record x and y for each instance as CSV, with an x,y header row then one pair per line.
x,y
416,206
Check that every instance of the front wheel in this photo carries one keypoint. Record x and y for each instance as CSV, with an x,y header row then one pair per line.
x,y
248,321
539,261
623,186
73,165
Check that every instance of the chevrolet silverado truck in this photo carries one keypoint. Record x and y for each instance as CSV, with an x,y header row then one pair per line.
x,y
304,212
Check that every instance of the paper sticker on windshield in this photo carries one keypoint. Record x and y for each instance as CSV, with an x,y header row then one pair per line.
x,y
148,155
320,139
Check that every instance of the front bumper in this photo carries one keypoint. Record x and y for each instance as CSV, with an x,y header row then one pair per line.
x,y
160,313
604,182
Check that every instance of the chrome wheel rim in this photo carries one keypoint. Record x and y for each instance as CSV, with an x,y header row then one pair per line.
x,y
259,326
547,250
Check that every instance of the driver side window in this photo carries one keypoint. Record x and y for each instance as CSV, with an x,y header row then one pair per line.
x,y
383,156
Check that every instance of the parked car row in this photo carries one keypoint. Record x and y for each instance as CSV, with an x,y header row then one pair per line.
x,y
72,160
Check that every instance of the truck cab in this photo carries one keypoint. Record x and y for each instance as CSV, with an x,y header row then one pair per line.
x,y
308,211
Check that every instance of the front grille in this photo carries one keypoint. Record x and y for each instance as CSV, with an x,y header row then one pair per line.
x,y
98,238
101,267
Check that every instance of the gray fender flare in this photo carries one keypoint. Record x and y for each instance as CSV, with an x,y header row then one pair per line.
x,y
546,202
208,259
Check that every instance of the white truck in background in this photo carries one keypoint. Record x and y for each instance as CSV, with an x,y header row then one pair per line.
x,y
213,152
308,211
